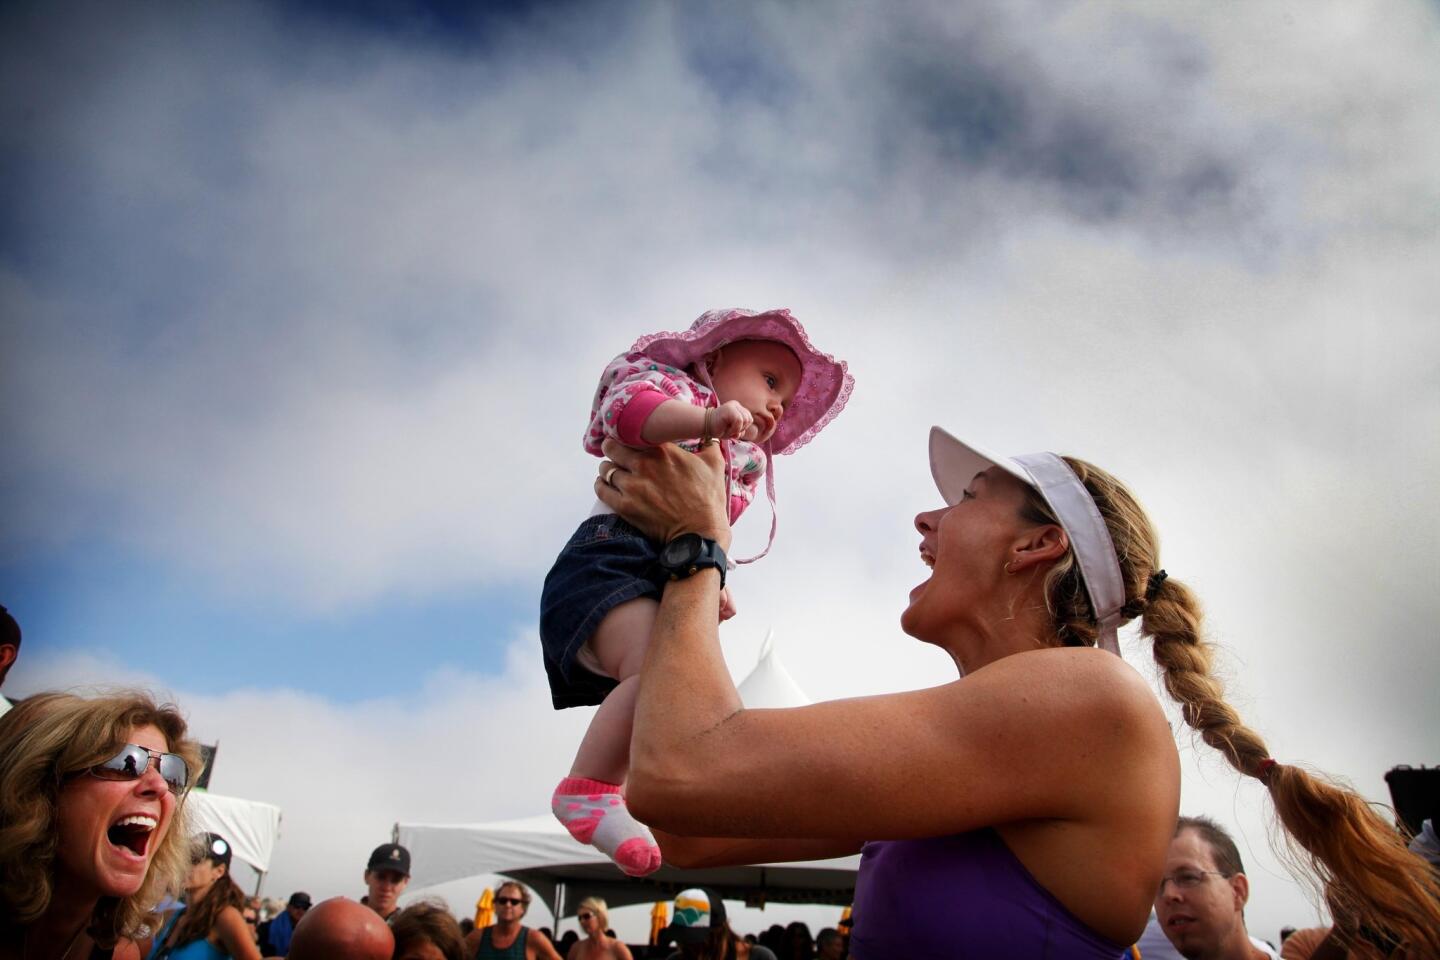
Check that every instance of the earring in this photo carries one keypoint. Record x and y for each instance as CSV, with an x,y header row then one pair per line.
x,y
1007,567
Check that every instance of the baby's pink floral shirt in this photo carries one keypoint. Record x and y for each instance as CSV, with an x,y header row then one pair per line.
x,y
634,376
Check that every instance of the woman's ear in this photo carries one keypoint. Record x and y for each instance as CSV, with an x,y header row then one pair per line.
x,y
1040,545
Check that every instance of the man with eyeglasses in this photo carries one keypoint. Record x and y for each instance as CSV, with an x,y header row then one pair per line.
x,y
1200,905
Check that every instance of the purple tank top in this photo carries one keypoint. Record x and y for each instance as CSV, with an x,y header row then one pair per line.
x,y
962,896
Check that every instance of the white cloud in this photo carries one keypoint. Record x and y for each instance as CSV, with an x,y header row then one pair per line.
x,y
336,310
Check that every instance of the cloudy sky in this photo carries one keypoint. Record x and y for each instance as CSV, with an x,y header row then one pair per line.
x,y
302,312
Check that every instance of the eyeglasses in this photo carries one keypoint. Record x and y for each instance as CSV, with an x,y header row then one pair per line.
x,y
133,762
583,916
508,901
1187,879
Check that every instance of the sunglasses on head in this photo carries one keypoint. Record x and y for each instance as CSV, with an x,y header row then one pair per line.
x,y
509,901
133,762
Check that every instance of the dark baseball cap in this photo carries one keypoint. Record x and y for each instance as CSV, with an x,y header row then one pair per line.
x,y
212,847
390,856
299,899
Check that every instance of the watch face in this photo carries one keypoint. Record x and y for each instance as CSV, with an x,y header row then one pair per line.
x,y
681,551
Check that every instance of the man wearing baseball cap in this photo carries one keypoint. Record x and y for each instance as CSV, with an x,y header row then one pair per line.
x,y
275,933
700,929
385,878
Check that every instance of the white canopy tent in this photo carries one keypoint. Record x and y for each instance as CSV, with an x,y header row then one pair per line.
x,y
250,827
539,853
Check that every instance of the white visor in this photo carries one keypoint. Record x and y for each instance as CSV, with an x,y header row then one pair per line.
x,y
954,465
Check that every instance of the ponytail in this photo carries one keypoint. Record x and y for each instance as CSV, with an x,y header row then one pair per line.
x,y
200,918
1335,835
1388,893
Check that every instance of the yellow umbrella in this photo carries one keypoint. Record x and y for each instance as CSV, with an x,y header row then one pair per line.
x,y
659,918
845,922
485,909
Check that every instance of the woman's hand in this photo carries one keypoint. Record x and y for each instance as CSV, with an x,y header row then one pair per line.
x,y
666,491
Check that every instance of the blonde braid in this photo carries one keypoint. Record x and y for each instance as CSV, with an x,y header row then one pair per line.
x,y
1336,837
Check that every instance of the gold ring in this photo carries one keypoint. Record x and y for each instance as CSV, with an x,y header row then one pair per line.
x,y
610,473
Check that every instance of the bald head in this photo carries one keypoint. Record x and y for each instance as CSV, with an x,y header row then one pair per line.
x,y
341,928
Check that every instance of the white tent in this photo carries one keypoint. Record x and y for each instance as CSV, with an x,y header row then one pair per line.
x,y
770,684
539,853
250,827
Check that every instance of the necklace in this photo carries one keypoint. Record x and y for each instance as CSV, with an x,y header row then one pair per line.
x,y
25,944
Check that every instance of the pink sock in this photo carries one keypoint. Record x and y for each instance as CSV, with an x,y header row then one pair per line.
x,y
594,812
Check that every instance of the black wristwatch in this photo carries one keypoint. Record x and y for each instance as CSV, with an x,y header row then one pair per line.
x,y
690,553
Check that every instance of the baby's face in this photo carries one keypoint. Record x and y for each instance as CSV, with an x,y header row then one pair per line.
x,y
762,375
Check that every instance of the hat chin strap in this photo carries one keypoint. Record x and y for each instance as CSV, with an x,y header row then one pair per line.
x,y
702,373
770,495
1089,538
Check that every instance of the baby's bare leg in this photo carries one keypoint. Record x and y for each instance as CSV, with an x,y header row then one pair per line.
x,y
589,802
619,644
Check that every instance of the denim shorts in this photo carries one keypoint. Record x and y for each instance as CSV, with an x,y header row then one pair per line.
x,y
606,563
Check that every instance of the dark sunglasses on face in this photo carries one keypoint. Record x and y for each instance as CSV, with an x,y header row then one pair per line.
x,y
508,901
133,762
584,916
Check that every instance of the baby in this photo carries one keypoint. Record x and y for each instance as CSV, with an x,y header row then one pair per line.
x,y
752,381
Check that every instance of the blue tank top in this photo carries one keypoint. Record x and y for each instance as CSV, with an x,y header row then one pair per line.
x,y
959,897
194,950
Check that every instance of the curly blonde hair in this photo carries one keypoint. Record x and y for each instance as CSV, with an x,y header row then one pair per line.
x,y
1336,837
45,739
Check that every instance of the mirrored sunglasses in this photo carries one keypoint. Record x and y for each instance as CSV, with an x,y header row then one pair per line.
x,y
133,761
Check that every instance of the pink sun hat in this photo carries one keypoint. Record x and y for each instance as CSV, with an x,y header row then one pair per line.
x,y
825,383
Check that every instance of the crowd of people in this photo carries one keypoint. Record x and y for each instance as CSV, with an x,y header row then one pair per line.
x,y
1035,796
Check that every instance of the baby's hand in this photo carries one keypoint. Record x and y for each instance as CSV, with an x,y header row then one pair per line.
x,y
727,604
730,420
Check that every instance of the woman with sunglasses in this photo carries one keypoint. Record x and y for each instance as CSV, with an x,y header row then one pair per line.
x,y
598,945
507,939
210,926
1037,793
89,789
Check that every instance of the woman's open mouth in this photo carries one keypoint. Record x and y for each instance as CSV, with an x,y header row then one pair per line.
x,y
132,833
928,559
